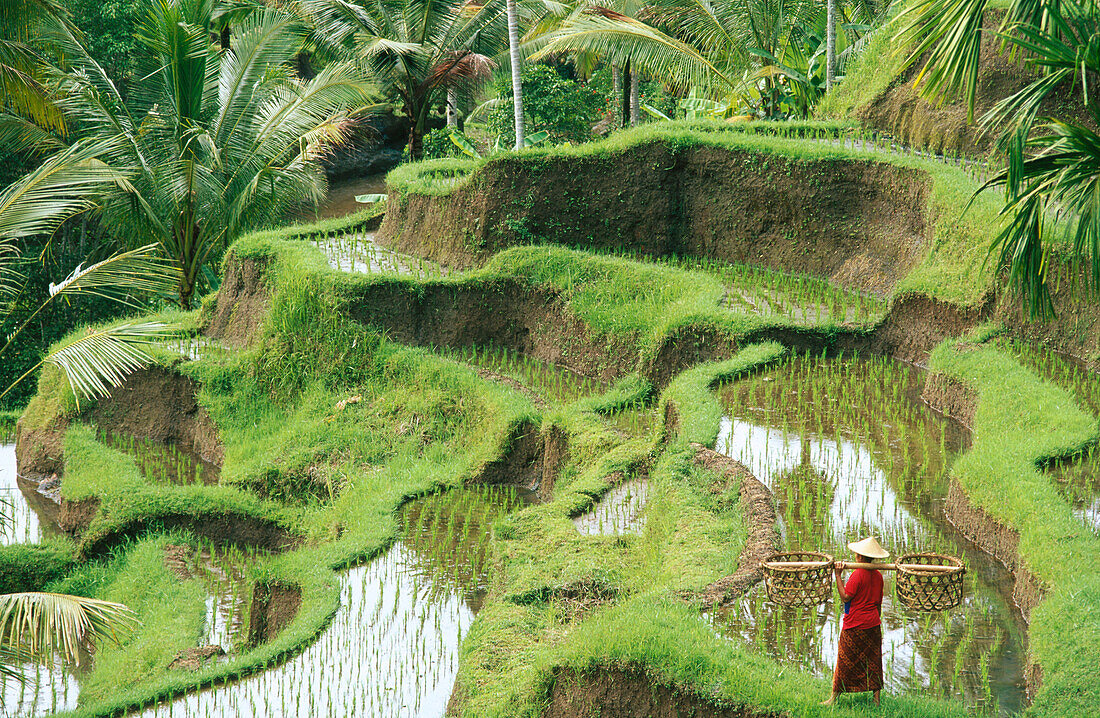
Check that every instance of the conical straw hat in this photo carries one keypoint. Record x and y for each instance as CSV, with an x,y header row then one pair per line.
x,y
869,547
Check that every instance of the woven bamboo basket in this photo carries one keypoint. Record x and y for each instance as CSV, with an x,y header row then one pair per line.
x,y
809,585
927,590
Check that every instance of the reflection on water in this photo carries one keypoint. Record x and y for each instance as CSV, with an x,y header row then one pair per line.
x,y
164,463
392,648
848,452
45,689
620,511
25,515
1078,480
340,199
356,252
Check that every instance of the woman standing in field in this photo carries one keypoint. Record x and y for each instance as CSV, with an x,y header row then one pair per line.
x,y
859,655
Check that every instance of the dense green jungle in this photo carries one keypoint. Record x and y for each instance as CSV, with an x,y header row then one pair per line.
x,y
423,359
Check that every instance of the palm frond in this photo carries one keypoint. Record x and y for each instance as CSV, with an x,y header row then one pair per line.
x,y
44,625
62,186
120,276
621,40
103,358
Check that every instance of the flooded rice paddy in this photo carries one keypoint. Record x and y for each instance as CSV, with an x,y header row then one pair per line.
x,y
26,519
164,463
357,252
392,647
849,450
225,574
803,299
620,511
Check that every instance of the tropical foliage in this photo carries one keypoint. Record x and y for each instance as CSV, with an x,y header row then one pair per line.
x,y
414,50
760,56
209,143
1052,164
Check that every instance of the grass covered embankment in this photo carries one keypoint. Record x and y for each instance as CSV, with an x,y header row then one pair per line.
x,y
327,428
868,220
544,626
1020,422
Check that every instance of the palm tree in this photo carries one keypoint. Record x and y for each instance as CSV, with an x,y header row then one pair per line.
x,y
42,626
1052,164
516,62
22,66
37,205
416,51
212,142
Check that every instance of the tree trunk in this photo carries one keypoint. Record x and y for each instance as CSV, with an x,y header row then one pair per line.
x,y
635,107
416,143
225,38
616,83
830,44
626,95
517,84
452,107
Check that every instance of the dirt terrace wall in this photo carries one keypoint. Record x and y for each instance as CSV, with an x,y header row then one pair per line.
x,y
241,303
902,113
1076,328
496,312
859,224
951,397
155,403
616,692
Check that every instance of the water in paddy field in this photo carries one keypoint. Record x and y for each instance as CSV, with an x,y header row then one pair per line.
x,y
340,199
164,463
25,515
224,574
620,511
1078,480
356,251
392,647
804,299
849,450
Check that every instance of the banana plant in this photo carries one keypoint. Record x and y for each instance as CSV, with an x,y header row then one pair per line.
x,y
463,143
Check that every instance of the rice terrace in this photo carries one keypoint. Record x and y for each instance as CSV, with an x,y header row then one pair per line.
x,y
549,360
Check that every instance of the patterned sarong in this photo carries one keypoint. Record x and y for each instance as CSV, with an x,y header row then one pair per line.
x,y
859,661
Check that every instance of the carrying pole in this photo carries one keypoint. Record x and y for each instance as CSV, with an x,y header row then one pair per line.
x,y
876,566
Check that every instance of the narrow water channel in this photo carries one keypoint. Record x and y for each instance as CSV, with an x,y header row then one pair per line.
x,y
392,648
849,450
26,516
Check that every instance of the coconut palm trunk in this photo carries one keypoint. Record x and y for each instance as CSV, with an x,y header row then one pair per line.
x,y
517,84
626,95
452,107
830,44
635,106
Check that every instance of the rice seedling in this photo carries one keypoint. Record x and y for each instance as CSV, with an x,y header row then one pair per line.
x,y
848,451
163,463
355,251
392,647
802,298
620,511
557,384
19,521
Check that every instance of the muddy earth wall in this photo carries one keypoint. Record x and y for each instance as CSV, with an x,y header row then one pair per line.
x,y
900,112
155,403
629,692
957,400
862,225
